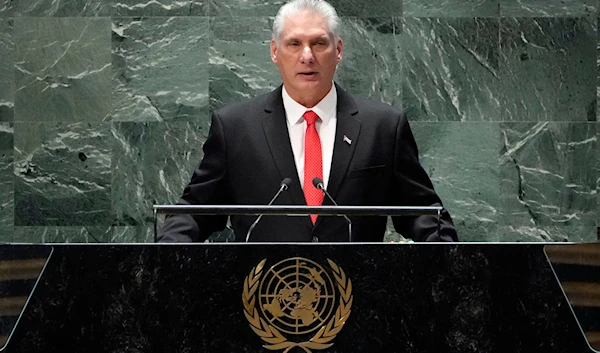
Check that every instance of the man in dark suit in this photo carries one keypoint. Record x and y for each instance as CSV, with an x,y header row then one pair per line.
x,y
309,127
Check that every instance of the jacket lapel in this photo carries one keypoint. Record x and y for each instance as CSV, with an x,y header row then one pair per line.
x,y
278,137
343,148
346,138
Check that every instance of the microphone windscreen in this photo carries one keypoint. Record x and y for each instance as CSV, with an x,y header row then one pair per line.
x,y
317,182
287,182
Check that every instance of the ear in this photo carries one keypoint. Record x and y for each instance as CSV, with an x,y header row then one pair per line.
x,y
340,50
273,51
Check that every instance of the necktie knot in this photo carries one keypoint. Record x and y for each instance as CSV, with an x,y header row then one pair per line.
x,y
310,117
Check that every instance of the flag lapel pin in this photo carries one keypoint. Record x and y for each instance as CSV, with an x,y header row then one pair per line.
x,y
347,140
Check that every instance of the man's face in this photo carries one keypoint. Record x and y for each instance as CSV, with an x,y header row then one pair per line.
x,y
307,56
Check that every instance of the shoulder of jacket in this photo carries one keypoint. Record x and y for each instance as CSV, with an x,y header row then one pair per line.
x,y
240,110
375,108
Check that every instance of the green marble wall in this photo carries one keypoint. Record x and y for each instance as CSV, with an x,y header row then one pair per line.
x,y
104,106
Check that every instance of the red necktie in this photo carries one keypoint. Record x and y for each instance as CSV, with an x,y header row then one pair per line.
x,y
313,162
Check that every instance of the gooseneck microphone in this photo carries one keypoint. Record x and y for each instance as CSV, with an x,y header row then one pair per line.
x,y
318,183
283,186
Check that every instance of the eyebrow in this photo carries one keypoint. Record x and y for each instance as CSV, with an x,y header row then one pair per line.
x,y
320,37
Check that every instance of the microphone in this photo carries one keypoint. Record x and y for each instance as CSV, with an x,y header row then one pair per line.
x,y
318,183
283,186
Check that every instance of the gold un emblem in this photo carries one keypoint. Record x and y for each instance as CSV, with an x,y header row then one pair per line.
x,y
296,298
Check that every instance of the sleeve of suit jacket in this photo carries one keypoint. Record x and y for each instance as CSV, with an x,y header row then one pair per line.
x,y
414,188
207,187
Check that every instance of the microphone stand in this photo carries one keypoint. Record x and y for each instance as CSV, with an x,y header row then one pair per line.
x,y
318,183
285,183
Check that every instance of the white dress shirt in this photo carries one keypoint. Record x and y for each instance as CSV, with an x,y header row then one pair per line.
x,y
326,110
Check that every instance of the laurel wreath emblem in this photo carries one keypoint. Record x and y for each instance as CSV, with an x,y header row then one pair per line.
x,y
273,338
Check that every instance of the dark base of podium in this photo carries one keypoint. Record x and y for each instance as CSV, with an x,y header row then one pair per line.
x,y
406,298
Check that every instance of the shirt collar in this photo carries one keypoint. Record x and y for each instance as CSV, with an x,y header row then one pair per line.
x,y
325,109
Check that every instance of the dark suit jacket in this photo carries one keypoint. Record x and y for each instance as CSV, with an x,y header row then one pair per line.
x,y
248,153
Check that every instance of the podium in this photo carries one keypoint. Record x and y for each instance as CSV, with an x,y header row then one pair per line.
x,y
313,297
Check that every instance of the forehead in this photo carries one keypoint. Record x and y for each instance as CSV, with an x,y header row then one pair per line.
x,y
305,24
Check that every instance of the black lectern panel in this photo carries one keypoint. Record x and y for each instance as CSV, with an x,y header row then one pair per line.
x,y
298,298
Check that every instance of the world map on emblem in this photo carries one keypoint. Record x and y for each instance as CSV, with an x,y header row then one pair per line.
x,y
297,296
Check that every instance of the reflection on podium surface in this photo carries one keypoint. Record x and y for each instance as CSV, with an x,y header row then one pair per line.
x,y
577,268
20,268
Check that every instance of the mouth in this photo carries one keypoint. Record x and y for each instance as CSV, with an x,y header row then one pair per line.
x,y
307,73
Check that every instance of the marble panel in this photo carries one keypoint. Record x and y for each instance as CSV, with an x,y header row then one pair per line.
x,y
391,236
545,66
6,49
6,182
548,179
451,69
62,69
461,158
6,8
240,62
373,8
152,163
160,69
6,70
6,101
358,8
86,234
371,65
61,8
149,8
547,8
451,8
133,234
7,139
597,71
62,174
224,236
509,232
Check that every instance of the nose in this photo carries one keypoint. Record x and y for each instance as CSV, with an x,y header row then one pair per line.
x,y
307,55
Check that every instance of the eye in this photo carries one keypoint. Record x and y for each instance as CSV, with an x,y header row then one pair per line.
x,y
293,44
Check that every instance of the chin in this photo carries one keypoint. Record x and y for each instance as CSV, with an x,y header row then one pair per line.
x,y
310,84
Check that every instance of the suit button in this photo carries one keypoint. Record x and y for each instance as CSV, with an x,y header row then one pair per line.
x,y
315,239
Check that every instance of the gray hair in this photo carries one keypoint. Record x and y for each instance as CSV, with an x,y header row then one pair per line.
x,y
317,6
